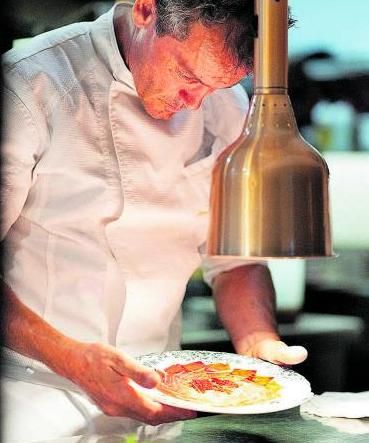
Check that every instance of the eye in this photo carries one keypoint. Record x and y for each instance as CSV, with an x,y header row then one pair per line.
x,y
185,76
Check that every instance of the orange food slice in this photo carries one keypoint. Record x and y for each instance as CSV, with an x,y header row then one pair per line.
x,y
248,374
195,366
175,369
217,367
262,380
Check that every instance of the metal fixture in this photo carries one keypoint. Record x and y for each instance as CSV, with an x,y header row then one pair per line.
x,y
269,194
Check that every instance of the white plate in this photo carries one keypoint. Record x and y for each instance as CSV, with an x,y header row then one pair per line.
x,y
295,388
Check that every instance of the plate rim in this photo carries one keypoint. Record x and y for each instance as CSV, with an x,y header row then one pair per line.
x,y
273,405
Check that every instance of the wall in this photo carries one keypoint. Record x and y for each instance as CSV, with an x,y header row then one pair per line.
x,y
340,26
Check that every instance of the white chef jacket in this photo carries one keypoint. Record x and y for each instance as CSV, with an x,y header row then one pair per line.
x,y
105,208
104,212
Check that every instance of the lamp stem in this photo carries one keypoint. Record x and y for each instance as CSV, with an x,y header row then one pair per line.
x,y
271,47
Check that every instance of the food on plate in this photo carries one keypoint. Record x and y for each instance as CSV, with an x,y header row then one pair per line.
x,y
217,384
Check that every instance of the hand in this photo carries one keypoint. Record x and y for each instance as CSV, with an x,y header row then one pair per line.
x,y
106,374
276,351
99,370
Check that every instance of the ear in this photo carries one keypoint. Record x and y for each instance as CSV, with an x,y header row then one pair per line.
x,y
143,12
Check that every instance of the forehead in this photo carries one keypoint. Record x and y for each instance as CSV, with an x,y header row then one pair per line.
x,y
204,53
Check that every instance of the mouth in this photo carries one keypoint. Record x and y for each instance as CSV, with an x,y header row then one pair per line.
x,y
172,108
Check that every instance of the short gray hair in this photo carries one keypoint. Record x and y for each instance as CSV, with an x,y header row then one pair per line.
x,y
174,18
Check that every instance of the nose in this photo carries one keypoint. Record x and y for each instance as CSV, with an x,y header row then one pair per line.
x,y
193,99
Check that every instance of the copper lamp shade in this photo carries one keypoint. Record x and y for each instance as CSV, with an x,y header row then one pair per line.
x,y
269,195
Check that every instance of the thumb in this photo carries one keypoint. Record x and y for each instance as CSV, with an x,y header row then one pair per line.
x,y
146,377
278,352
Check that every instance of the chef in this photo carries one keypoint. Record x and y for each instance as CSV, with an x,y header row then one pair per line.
x,y
112,128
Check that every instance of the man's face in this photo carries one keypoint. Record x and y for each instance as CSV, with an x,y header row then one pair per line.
x,y
171,75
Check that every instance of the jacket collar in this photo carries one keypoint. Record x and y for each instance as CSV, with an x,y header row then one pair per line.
x,y
106,44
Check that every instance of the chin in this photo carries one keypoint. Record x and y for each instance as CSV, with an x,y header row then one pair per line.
x,y
160,115
158,109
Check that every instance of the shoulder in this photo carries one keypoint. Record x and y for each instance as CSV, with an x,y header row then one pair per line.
x,y
49,65
40,47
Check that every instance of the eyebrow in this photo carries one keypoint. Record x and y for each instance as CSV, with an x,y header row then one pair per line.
x,y
185,66
194,76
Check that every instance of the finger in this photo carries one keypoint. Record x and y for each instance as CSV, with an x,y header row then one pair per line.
x,y
126,365
292,355
128,402
167,414
153,412
143,408
278,352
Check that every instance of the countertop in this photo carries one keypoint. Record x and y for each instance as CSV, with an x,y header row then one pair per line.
x,y
279,427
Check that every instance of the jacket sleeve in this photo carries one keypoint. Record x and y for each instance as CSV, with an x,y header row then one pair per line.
x,y
20,151
225,118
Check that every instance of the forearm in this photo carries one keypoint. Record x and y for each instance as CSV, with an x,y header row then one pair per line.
x,y
245,301
99,370
27,333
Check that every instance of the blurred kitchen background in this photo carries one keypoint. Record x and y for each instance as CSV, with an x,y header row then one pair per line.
x,y
322,304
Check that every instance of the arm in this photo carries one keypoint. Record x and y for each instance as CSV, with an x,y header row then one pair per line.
x,y
245,301
99,370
